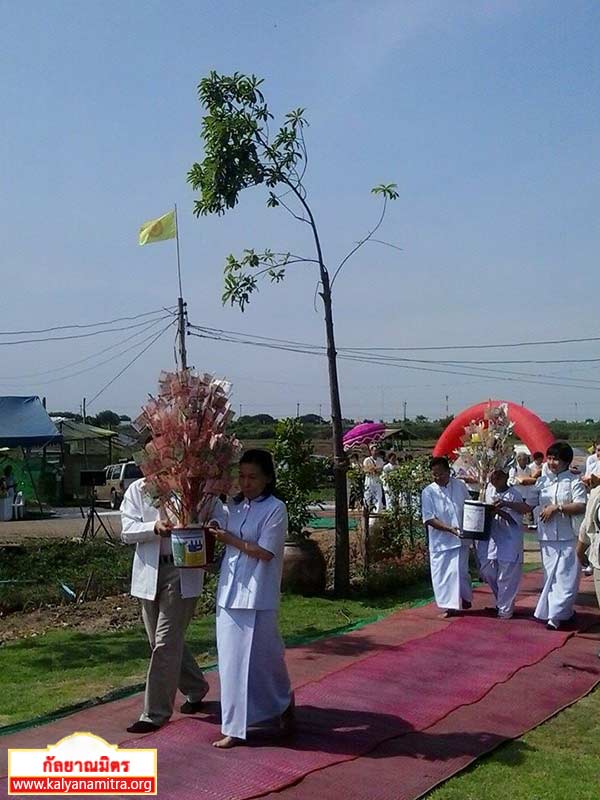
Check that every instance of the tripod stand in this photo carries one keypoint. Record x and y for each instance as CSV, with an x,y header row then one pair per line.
x,y
94,521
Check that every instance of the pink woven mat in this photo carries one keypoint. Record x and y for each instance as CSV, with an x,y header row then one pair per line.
x,y
349,712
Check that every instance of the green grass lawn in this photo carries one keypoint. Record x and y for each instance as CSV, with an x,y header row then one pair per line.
x,y
560,760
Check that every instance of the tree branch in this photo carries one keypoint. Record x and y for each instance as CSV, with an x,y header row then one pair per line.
x,y
362,241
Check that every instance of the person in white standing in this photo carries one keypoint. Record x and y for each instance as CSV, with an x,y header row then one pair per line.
x,y
373,467
502,567
390,465
442,507
590,464
561,498
168,597
255,685
588,545
521,476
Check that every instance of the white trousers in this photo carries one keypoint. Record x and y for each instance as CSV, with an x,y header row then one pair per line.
x,y
561,581
450,577
503,578
373,494
255,685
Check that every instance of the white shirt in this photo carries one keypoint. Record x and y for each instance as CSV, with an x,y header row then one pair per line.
x,y
387,468
553,489
372,477
506,538
447,504
138,517
590,463
246,582
521,472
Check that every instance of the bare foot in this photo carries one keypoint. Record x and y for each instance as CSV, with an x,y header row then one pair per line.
x,y
227,742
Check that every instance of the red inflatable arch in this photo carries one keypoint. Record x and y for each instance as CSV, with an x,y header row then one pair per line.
x,y
528,427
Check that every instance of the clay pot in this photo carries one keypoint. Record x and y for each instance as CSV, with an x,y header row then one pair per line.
x,y
304,569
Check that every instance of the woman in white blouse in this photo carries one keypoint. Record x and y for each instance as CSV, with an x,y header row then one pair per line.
x,y
255,684
561,499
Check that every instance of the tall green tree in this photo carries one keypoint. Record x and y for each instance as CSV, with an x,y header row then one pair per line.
x,y
240,150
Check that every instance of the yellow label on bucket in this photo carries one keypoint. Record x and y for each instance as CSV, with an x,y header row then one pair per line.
x,y
189,547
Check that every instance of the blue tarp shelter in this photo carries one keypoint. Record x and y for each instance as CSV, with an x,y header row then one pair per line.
x,y
25,423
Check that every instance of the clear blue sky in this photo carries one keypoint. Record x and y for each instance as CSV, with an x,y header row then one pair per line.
x,y
484,112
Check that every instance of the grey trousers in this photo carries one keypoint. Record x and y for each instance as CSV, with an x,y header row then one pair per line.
x,y
172,665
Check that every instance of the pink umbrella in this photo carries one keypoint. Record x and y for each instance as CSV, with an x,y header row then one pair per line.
x,y
363,434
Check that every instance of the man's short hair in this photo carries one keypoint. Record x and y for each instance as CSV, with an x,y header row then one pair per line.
x,y
538,454
562,451
439,461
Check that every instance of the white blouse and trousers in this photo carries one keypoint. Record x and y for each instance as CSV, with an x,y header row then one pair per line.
x,y
557,539
501,558
255,684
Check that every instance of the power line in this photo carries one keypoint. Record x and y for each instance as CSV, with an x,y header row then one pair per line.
x,y
133,360
80,335
224,334
11,378
87,325
422,347
96,364
400,364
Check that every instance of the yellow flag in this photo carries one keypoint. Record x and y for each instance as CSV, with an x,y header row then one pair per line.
x,y
157,230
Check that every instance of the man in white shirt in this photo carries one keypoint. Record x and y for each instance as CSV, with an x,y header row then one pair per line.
x,y
168,597
561,498
502,566
442,506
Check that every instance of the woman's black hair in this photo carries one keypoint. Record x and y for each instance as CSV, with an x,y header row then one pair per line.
x,y
439,461
264,460
562,451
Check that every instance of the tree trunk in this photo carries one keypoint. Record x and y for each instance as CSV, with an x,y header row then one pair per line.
x,y
340,467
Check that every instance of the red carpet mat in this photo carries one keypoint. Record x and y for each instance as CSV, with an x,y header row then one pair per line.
x,y
350,712
391,747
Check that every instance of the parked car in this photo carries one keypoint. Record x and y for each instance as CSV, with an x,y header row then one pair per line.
x,y
118,478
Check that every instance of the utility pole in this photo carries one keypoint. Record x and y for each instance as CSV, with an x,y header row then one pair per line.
x,y
181,306
240,409
447,412
181,332
83,410
320,410
297,409
404,410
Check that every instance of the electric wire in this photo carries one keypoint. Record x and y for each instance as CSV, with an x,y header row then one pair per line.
x,y
129,364
79,335
88,324
12,379
96,364
403,365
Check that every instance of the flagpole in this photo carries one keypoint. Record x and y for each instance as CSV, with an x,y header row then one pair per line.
x,y
180,303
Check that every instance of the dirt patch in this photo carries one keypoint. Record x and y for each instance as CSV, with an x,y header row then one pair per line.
x,y
109,614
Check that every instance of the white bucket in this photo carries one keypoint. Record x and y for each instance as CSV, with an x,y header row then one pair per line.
x,y
188,546
477,519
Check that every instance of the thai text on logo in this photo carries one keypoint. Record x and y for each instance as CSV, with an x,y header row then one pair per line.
x,y
82,764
